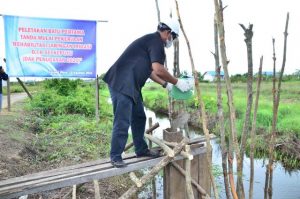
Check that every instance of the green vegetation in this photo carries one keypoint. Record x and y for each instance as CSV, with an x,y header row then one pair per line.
x,y
63,117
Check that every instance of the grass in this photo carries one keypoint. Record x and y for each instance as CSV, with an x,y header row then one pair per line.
x,y
65,125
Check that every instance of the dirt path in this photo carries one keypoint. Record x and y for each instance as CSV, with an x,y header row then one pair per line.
x,y
14,97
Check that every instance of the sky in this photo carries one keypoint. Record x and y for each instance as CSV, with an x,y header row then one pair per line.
x,y
129,19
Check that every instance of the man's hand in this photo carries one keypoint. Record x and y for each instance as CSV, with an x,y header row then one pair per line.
x,y
169,87
183,85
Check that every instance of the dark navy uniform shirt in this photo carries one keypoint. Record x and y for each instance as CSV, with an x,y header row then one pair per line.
x,y
130,72
3,76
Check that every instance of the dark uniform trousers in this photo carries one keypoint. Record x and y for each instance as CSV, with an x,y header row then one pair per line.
x,y
126,114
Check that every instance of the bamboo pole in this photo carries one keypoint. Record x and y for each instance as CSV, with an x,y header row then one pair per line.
x,y
202,107
133,189
220,112
253,130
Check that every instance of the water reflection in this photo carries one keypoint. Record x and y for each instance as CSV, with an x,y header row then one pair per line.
x,y
286,185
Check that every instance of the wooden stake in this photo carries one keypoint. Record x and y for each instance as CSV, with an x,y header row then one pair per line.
x,y
133,189
74,192
189,189
253,130
97,190
160,143
135,179
24,87
187,155
155,126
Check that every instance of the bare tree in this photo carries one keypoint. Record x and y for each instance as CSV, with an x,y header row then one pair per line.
x,y
276,99
221,30
157,10
220,112
248,40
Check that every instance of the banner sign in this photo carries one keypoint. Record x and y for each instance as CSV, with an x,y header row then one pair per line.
x,y
40,47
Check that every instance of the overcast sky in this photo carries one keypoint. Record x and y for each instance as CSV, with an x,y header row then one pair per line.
x,y
130,19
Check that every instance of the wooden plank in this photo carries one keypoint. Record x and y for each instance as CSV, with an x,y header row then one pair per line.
x,y
12,188
58,171
79,171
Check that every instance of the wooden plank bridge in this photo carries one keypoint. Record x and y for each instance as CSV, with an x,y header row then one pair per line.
x,y
76,174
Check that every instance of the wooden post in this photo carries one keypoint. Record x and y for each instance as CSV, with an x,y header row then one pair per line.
x,y
97,99
8,95
188,180
150,125
97,189
174,181
24,87
74,192
153,182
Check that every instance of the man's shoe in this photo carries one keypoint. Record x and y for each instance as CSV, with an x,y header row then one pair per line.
x,y
150,153
118,163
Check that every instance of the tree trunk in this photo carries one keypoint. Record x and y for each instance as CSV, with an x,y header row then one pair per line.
x,y
220,113
221,31
248,40
276,100
253,130
202,107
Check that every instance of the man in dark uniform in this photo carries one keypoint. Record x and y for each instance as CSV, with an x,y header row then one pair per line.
x,y
3,76
142,59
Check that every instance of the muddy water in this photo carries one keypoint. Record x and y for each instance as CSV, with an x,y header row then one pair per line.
x,y
285,185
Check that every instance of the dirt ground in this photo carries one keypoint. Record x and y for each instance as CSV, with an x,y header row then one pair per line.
x,y
17,157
